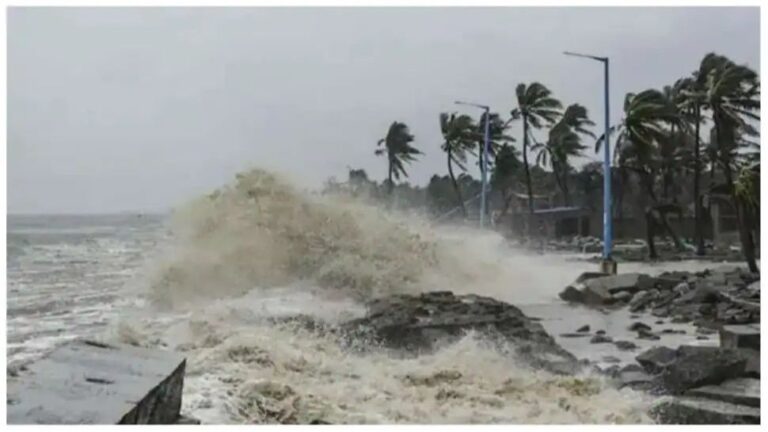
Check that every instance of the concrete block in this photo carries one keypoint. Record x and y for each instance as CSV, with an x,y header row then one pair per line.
x,y
742,391
740,336
88,382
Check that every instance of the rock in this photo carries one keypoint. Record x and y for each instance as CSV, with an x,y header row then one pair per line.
x,y
740,336
632,367
680,319
600,332
669,280
702,338
637,326
672,331
705,330
647,335
741,391
656,359
696,366
630,282
625,345
659,322
702,294
583,329
596,294
621,296
599,338
417,324
572,294
573,335
641,299
681,289
752,369
689,410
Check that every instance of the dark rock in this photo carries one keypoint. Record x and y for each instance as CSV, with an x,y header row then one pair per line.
x,y
637,326
661,312
186,420
680,319
702,338
740,336
600,332
641,299
572,294
689,410
752,369
647,335
705,330
696,366
634,316
573,335
599,338
625,345
659,322
672,331
656,359
583,329
632,367
742,391
423,323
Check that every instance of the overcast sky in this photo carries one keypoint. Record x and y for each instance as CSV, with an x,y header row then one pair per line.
x,y
139,109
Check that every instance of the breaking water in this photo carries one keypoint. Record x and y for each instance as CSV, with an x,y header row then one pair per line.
x,y
259,249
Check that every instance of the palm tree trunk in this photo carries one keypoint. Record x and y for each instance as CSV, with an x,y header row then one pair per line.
x,y
525,163
558,179
698,229
747,243
390,184
650,230
456,185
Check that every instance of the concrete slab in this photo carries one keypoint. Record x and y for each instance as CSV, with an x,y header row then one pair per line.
x,y
690,410
740,336
92,383
743,391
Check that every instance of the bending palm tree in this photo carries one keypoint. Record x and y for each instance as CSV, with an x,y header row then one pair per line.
x,y
564,141
637,146
397,147
535,106
457,134
733,95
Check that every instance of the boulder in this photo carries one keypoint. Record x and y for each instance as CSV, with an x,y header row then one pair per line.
x,y
696,366
621,297
637,326
647,335
635,379
625,345
690,410
418,324
630,282
656,359
583,329
574,292
599,338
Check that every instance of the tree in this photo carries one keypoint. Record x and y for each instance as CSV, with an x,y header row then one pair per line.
x,y
398,149
733,97
505,174
457,132
564,142
637,148
536,107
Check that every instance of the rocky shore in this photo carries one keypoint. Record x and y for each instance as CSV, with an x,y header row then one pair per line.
x,y
699,384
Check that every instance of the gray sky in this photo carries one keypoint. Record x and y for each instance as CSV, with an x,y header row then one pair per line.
x,y
114,109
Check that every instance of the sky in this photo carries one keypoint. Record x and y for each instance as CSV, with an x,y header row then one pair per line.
x,y
141,109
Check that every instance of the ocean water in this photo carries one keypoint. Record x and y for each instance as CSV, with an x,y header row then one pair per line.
x,y
210,279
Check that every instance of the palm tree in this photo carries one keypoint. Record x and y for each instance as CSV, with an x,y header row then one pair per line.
x,y
637,148
398,149
506,173
457,134
564,141
733,96
536,107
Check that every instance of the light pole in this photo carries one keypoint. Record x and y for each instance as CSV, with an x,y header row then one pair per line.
x,y
484,168
608,265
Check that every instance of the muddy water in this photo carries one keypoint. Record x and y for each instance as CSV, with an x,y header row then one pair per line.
x,y
258,249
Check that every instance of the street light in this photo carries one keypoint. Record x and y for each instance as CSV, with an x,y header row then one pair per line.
x,y
608,265
484,168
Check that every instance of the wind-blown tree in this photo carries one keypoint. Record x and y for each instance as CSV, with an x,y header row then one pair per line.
x,y
536,107
458,133
397,147
637,148
733,97
506,174
564,141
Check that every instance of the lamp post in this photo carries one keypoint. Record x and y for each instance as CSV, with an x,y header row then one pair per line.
x,y
484,168
607,265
